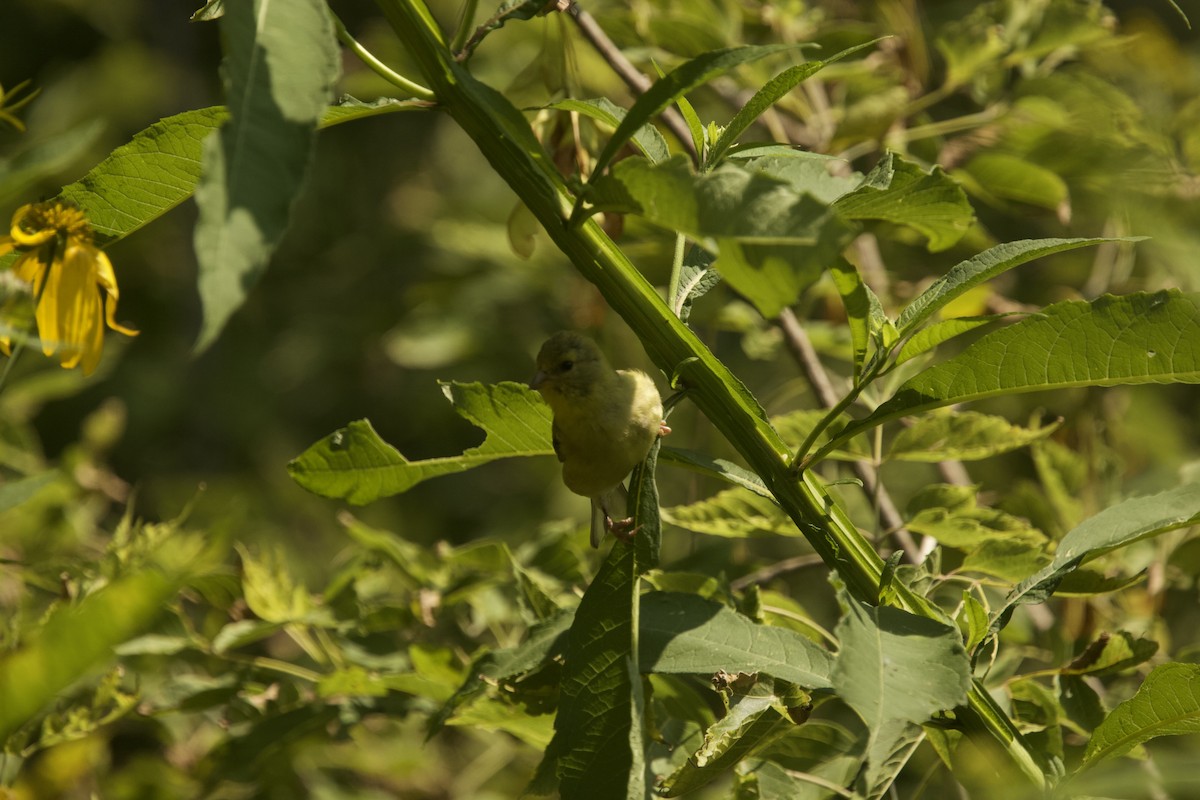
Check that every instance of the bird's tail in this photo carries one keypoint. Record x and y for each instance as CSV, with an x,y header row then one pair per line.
x,y
612,505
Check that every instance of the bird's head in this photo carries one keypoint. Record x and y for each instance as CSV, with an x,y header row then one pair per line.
x,y
569,365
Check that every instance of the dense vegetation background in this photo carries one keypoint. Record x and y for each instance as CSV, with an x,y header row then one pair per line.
x,y
397,272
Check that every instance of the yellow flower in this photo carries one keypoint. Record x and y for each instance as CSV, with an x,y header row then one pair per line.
x,y
69,277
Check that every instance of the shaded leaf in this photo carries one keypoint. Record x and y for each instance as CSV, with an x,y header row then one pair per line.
x,y
1011,177
280,64
354,464
771,93
1116,526
674,85
754,720
684,633
647,138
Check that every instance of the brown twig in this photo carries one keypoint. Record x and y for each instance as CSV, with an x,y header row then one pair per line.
x,y
634,79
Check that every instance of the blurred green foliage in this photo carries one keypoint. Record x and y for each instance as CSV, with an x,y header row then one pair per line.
x,y
300,651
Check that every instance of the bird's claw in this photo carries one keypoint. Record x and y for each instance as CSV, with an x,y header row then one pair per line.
x,y
663,430
623,529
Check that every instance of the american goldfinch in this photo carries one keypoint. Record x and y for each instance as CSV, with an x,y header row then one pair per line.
x,y
605,421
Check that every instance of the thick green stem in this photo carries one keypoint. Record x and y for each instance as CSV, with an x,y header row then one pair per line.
x,y
504,137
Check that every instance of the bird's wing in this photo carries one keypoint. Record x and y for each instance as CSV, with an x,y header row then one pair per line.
x,y
556,440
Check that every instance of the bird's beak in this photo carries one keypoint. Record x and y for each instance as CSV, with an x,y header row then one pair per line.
x,y
538,380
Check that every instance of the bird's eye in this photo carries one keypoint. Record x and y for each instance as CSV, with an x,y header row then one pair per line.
x,y
565,366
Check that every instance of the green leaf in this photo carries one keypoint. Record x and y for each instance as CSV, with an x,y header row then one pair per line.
x,y
895,666
696,279
770,94
280,64
14,493
1166,704
962,435
594,731
647,138
674,85
980,268
931,336
896,191
74,639
973,617
735,513
692,120
754,721
864,313
544,641
1011,177
715,468
684,633
1110,654
1133,339
354,464
1117,526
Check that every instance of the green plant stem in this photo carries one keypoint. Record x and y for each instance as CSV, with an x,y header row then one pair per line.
x,y
676,270
504,137
465,25
378,67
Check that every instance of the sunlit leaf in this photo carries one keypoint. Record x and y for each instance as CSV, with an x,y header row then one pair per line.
x,y
932,335
280,64
962,435
1011,177
900,192
733,513
356,465
1166,704
980,268
1138,338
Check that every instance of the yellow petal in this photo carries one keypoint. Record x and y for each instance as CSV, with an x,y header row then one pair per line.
x,y
69,314
25,238
108,281
6,245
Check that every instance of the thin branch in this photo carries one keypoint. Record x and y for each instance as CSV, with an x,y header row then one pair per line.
x,y
634,79
802,350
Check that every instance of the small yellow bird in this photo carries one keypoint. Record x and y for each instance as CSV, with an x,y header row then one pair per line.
x,y
605,421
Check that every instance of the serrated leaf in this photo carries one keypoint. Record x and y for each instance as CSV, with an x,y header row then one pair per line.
x,y
980,268
1009,560
752,723
899,192
280,64
674,85
895,666
771,93
696,278
354,464
684,633
962,435
1115,527
1166,704
735,513
1132,339
593,732
647,138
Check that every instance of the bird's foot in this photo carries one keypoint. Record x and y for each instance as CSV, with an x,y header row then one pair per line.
x,y
622,528
663,430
